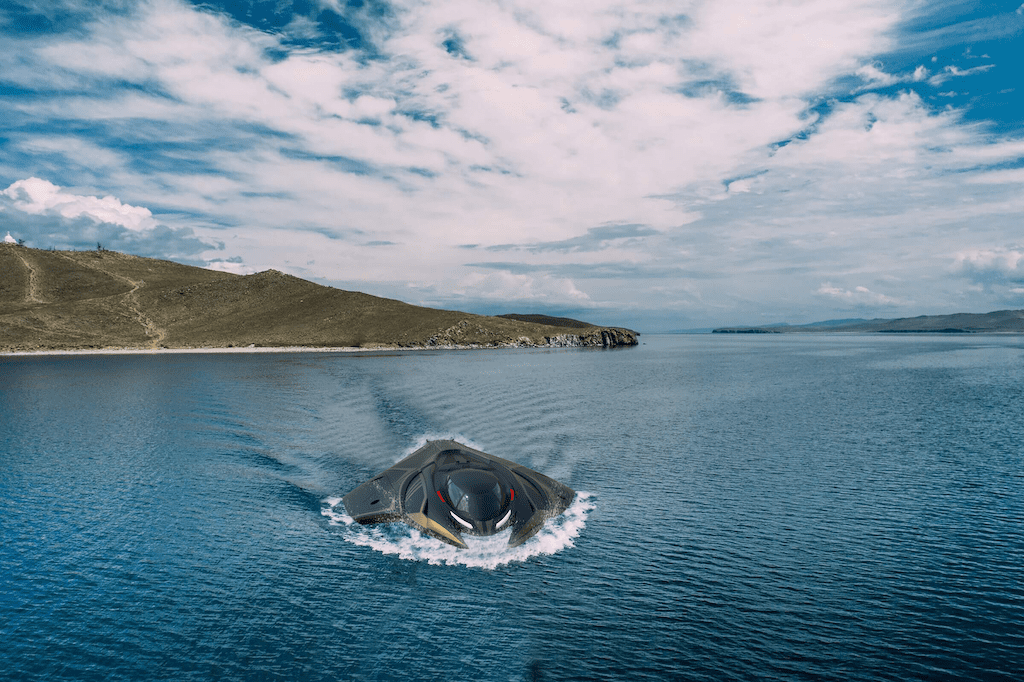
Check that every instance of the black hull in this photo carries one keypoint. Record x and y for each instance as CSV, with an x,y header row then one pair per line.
x,y
446,489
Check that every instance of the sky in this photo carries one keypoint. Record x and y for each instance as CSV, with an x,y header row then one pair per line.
x,y
662,165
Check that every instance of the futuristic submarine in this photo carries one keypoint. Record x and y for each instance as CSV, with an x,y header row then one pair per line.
x,y
446,489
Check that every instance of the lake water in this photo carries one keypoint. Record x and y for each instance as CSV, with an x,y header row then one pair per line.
x,y
750,507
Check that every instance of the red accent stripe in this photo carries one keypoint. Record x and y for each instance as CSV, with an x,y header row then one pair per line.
x,y
512,490
439,495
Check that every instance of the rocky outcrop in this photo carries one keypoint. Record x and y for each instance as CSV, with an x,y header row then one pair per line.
x,y
603,337
469,333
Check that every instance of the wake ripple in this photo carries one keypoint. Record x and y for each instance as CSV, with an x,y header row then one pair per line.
x,y
488,553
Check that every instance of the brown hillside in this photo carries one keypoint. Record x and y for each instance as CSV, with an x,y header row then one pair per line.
x,y
104,299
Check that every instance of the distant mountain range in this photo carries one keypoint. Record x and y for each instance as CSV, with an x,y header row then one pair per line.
x,y
997,322
66,300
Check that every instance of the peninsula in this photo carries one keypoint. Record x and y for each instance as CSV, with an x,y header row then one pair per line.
x,y
82,300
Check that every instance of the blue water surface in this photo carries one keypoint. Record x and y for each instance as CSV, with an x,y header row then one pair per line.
x,y
751,507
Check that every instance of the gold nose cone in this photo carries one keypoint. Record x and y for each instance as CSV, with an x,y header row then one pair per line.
x,y
434,527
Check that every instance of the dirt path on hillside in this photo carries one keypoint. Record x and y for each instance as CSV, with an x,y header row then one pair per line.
x,y
130,299
156,334
32,295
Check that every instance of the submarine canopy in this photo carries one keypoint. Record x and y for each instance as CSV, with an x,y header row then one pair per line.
x,y
446,489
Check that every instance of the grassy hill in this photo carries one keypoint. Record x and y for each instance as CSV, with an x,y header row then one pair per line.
x,y
104,299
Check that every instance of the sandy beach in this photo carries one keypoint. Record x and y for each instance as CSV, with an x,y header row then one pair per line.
x,y
266,349
161,351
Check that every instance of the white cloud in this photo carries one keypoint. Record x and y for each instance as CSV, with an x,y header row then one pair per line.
x,y
779,50
875,77
858,296
1013,176
505,286
957,72
741,185
40,197
562,172
234,266
75,149
1003,263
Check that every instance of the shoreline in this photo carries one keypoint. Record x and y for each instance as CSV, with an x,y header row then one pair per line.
x,y
179,351
274,349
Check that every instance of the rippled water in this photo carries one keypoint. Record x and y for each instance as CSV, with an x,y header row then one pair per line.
x,y
811,507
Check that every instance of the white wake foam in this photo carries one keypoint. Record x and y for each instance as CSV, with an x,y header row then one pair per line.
x,y
408,543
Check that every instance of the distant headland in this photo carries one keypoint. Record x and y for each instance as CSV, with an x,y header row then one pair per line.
x,y
97,300
997,322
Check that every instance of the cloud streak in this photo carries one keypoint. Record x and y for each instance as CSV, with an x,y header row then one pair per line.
x,y
859,296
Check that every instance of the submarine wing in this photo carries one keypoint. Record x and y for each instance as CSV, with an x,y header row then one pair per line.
x,y
373,502
379,499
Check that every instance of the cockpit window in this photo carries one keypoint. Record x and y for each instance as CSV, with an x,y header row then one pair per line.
x,y
459,499
476,493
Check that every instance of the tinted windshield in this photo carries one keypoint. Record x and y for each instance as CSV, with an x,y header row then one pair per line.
x,y
476,493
